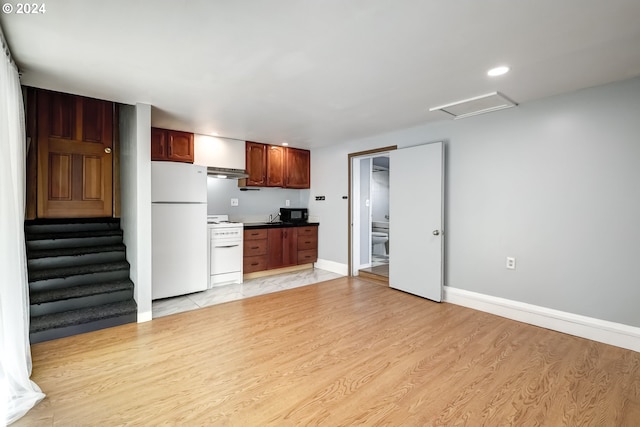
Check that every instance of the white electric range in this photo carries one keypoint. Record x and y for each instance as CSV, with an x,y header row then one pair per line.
x,y
225,250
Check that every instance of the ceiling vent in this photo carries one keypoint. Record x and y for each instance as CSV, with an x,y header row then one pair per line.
x,y
493,101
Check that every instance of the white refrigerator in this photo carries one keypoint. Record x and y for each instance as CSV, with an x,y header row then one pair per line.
x,y
179,229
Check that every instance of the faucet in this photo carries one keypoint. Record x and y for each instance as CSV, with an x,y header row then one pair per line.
x,y
272,217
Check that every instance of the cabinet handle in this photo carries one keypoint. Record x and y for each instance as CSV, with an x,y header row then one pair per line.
x,y
255,247
307,241
255,263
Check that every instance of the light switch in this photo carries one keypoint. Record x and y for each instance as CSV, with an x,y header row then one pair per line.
x,y
234,202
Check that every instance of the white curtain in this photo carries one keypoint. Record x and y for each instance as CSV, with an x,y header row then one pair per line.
x,y
18,393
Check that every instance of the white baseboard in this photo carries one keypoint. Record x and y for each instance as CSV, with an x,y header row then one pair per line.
x,y
332,266
145,316
603,331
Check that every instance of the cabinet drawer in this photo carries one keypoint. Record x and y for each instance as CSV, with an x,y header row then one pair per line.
x,y
305,257
254,263
255,247
307,242
255,234
308,231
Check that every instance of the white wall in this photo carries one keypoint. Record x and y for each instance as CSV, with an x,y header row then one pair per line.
x,y
135,168
253,205
553,183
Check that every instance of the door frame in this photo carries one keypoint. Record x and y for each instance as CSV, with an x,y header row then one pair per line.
x,y
350,218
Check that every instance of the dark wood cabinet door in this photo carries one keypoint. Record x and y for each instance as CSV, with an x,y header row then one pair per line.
x,y
298,168
256,163
180,146
158,144
274,248
275,166
282,247
75,158
290,246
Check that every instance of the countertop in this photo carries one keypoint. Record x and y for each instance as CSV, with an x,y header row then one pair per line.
x,y
277,224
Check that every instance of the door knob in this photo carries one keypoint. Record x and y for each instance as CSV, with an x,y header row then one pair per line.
x,y
107,150
436,232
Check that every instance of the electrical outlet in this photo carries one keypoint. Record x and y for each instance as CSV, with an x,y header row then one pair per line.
x,y
511,263
287,203
234,202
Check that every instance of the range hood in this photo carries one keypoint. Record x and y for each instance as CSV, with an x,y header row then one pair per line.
x,y
223,157
226,173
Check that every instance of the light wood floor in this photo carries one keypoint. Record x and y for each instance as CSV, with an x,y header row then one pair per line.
x,y
343,352
379,273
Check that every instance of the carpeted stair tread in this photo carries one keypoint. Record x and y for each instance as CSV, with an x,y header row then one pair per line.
x,y
53,273
80,316
88,220
47,253
51,295
30,236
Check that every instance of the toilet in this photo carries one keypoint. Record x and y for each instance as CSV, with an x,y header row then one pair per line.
x,y
379,238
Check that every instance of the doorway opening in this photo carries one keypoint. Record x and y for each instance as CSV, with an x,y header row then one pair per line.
x,y
369,234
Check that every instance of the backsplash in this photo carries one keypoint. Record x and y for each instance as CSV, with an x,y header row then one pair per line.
x,y
253,205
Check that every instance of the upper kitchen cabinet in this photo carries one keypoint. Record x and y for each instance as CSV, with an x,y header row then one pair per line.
x,y
256,164
298,168
276,166
171,145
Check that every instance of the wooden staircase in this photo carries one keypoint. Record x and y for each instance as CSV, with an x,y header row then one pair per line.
x,y
78,277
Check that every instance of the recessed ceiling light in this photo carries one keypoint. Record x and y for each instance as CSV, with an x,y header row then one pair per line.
x,y
498,71
285,143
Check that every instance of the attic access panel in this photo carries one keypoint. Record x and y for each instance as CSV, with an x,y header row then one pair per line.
x,y
493,101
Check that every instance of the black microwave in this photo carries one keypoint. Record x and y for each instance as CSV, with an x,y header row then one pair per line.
x,y
295,215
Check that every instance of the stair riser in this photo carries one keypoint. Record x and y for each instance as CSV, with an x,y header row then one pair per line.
x,y
51,334
76,260
63,282
82,302
80,242
65,228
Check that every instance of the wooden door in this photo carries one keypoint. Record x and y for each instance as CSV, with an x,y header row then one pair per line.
x,y
416,193
75,159
256,163
275,166
298,168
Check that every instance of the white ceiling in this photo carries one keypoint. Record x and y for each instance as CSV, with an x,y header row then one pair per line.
x,y
319,72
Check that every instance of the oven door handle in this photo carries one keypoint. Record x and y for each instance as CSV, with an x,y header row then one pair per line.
x,y
227,246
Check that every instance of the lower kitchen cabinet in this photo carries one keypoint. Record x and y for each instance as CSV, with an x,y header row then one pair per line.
x,y
254,251
277,247
307,244
282,247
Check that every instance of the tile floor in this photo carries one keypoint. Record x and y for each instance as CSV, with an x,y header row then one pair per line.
x,y
379,260
249,288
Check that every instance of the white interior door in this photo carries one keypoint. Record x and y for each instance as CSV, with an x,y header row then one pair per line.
x,y
416,220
